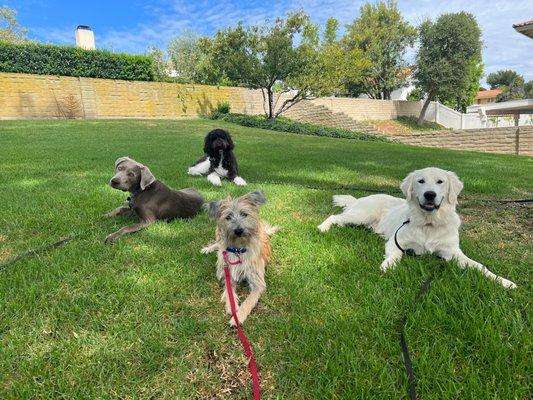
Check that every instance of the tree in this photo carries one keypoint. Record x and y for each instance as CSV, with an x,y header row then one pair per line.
x,y
188,54
448,50
504,78
159,63
510,82
528,89
287,55
10,29
383,36
466,98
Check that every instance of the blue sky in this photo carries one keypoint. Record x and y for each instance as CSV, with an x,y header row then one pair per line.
x,y
131,26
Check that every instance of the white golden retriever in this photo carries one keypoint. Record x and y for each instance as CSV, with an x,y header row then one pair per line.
x,y
429,207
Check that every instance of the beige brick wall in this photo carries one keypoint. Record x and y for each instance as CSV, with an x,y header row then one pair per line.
x,y
367,109
489,140
43,96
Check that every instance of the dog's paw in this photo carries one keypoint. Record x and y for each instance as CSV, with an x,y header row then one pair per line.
x,y
214,179
386,265
506,283
193,171
239,181
206,250
324,227
232,322
110,238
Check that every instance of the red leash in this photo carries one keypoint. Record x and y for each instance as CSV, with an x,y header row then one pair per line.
x,y
244,341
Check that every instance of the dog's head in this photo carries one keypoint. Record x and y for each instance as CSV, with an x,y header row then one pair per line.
x,y
218,140
237,219
131,175
430,187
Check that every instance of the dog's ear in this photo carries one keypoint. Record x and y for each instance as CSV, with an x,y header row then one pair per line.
x,y
454,187
258,198
120,160
207,143
147,178
231,145
213,208
407,186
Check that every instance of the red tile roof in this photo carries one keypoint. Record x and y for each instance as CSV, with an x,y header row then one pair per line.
x,y
488,94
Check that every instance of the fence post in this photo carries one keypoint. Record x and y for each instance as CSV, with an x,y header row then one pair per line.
x,y
437,108
462,121
517,141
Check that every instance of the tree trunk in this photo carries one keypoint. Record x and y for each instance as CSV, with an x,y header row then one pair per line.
x,y
270,94
386,95
424,109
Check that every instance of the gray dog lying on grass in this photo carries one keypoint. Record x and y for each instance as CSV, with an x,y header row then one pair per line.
x,y
150,199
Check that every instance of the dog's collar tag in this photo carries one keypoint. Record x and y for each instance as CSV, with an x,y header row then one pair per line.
x,y
236,250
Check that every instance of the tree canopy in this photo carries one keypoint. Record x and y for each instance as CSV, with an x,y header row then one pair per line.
x,y
10,29
383,36
449,49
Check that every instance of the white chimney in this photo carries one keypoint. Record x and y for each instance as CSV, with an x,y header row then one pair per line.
x,y
85,37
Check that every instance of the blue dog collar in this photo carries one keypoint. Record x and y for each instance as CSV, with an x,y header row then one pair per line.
x,y
236,250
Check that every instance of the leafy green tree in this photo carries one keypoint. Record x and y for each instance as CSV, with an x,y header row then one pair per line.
x,y
189,57
383,36
504,78
466,98
286,55
510,82
448,50
528,89
159,63
10,29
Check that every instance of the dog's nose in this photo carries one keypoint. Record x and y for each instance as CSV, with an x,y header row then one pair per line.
x,y
114,182
430,195
238,231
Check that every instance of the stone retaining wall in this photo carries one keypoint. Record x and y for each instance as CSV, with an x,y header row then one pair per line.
x,y
511,140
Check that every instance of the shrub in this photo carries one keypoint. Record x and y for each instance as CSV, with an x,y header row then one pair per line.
x,y
223,107
283,124
35,58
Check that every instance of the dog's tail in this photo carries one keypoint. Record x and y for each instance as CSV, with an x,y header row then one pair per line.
x,y
343,200
270,230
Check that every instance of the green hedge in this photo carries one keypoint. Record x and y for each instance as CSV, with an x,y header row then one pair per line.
x,y
287,125
34,58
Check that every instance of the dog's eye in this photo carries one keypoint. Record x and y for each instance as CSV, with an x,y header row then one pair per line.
x,y
243,214
439,181
131,174
228,218
421,181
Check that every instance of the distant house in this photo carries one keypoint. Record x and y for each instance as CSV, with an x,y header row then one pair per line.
x,y
487,96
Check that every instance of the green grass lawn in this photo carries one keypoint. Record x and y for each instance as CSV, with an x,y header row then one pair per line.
x,y
142,320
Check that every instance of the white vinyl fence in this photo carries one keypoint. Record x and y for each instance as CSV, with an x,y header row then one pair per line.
x,y
450,118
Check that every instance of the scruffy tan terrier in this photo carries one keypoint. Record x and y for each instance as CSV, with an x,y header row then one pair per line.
x,y
246,241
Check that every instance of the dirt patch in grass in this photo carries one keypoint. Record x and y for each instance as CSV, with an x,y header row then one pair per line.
x,y
406,126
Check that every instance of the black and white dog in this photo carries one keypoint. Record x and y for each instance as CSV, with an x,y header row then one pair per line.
x,y
219,160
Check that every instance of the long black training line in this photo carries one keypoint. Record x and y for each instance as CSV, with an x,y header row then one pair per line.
x,y
40,250
403,342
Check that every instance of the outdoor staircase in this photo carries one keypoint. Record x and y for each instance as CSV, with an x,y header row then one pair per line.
x,y
305,111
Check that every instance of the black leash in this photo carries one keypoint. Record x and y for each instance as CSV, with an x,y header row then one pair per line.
x,y
39,250
403,342
401,328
